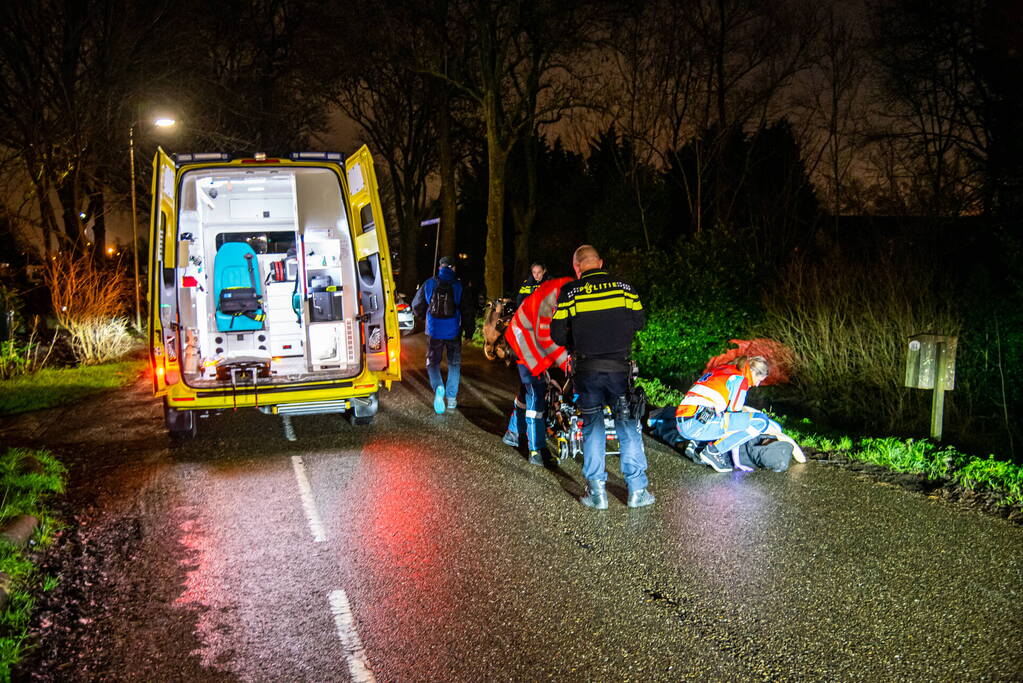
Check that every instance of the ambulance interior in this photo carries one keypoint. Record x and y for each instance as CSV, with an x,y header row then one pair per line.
x,y
268,290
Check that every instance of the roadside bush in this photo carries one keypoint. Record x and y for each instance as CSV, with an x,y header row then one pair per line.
x,y
88,301
657,394
678,340
847,323
983,408
695,302
18,355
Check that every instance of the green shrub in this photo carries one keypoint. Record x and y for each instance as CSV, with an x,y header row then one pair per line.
x,y
27,479
996,475
678,341
657,394
694,301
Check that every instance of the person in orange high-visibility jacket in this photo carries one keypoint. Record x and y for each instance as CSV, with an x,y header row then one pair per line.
x,y
529,336
714,410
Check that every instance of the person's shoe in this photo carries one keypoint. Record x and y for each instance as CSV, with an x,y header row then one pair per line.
x,y
535,458
716,460
510,438
640,498
596,494
438,401
690,451
452,404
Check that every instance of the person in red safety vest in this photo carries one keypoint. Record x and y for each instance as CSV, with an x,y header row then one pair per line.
x,y
529,336
714,410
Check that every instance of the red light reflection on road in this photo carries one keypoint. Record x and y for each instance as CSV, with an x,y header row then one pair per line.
x,y
402,526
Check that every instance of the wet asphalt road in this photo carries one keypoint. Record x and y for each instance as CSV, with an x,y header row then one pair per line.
x,y
424,549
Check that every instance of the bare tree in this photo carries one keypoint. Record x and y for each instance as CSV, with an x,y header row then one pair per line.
x,y
514,73
831,105
949,109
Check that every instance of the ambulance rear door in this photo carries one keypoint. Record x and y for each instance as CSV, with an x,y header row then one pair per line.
x,y
380,334
162,295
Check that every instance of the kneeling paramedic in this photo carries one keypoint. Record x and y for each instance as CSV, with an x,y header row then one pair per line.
x,y
714,410
529,335
597,317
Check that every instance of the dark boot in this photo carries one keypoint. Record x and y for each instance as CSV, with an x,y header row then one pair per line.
x,y
596,494
535,458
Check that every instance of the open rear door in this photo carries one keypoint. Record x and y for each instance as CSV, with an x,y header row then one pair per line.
x,y
161,292
380,333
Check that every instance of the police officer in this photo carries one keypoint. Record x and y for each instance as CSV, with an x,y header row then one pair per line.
x,y
537,276
597,317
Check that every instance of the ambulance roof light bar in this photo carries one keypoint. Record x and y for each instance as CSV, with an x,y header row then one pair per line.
x,y
317,156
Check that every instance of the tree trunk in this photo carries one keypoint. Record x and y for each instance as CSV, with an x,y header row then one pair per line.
x,y
97,209
525,216
494,264
47,218
448,188
67,195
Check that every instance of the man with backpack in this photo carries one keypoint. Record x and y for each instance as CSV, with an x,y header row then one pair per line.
x,y
440,301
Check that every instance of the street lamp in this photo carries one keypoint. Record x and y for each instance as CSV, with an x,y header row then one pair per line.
x,y
159,123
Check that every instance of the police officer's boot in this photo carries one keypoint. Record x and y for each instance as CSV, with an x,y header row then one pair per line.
x,y
596,494
640,498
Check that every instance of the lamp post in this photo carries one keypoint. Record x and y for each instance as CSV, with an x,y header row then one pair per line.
x,y
159,123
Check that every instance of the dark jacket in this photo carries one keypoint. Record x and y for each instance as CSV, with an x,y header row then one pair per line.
x,y
529,286
597,316
441,328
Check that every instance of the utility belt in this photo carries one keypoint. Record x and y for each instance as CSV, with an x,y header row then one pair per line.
x,y
583,364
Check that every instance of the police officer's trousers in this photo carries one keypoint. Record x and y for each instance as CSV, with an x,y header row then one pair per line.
x,y
596,390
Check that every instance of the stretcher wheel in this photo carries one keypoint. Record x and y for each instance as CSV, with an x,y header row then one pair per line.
x,y
564,453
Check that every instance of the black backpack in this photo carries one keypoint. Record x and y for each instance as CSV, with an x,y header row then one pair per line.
x,y
442,301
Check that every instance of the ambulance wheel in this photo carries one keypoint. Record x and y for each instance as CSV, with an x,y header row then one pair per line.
x,y
181,424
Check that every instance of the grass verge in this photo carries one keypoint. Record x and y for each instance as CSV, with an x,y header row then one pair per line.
x,y
28,478
52,387
918,456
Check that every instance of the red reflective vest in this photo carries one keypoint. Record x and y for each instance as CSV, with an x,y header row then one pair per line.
x,y
722,389
529,332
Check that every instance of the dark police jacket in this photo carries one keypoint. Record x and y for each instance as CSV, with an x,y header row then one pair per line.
x,y
597,316
529,286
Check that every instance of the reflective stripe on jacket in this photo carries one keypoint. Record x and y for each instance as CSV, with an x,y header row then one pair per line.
x,y
597,316
529,286
722,389
529,332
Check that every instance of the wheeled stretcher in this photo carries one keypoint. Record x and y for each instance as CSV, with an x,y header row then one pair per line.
x,y
565,423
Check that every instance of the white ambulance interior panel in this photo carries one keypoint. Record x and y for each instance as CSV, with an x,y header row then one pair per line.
x,y
261,279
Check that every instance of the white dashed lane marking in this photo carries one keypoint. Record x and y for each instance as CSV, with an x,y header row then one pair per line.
x,y
308,504
358,665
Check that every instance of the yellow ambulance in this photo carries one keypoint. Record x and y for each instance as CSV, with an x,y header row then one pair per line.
x,y
270,287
